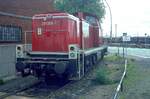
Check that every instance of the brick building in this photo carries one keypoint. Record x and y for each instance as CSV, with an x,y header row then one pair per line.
x,y
15,18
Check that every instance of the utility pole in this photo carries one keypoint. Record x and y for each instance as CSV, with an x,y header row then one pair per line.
x,y
124,35
115,30
110,20
145,39
116,37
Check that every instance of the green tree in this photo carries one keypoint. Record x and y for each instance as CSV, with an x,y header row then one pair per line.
x,y
95,7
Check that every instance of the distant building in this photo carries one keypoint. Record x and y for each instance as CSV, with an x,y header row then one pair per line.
x,y
15,18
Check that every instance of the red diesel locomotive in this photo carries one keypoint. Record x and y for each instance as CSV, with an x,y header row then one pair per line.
x,y
62,45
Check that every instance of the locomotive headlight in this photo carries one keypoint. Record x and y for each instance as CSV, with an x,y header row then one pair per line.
x,y
73,51
72,48
19,51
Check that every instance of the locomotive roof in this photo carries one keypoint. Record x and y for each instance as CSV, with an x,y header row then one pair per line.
x,y
55,15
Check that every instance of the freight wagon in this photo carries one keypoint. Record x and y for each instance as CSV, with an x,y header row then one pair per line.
x,y
63,45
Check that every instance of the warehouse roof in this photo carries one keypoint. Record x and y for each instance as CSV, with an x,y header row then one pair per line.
x,y
26,7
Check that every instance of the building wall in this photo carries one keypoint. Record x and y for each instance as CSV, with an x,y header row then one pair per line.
x,y
19,7
7,60
23,23
25,8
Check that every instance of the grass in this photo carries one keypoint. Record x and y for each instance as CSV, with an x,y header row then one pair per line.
x,y
131,73
131,76
112,58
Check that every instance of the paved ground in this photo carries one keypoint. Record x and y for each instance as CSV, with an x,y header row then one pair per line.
x,y
137,52
138,85
19,97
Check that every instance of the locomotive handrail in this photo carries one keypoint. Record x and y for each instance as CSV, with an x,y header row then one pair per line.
x,y
94,50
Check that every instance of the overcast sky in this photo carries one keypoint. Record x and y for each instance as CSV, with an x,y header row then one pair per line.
x,y
131,16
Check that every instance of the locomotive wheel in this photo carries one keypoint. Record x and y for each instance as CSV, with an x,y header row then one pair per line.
x,y
63,79
60,67
87,64
94,59
23,74
57,79
91,61
20,66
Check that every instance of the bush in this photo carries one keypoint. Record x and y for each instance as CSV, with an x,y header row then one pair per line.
x,y
132,60
102,76
1,82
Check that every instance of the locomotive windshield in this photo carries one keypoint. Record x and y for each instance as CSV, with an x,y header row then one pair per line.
x,y
90,19
85,29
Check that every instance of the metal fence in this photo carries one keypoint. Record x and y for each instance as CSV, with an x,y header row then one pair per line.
x,y
120,85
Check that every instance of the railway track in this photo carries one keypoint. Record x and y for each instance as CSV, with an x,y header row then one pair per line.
x,y
40,90
37,89
59,89
17,91
19,85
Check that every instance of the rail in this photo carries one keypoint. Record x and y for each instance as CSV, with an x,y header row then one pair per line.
x,y
120,85
19,90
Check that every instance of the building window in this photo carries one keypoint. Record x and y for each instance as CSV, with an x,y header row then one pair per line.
x,y
10,33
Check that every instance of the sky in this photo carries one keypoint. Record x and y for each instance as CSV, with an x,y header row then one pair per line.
x,y
131,16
